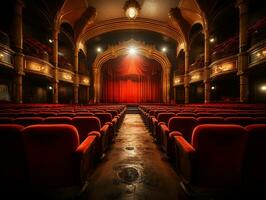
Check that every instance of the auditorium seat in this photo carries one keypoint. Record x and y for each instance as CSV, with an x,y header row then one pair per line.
x,y
55,157
6,120
254,175
210,120
57,120
26,121
162,118
212,162
184,125
85,125
13,162
242,121
260,120
106,118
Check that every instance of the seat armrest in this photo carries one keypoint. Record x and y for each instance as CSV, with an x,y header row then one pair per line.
x,y
104,129
154,121
186,154
174,133
86,144
96,133
161,123
84,158
109,123
164,129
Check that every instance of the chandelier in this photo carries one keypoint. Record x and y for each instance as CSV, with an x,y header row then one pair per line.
x,y
132,9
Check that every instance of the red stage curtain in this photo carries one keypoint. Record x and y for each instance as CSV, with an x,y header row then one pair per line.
x,y
131,79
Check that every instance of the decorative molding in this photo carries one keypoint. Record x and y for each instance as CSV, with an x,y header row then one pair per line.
x,y
6,56
223,66
196,75
178,80
139,23
121,49
84,80
38,66
257,54
66,75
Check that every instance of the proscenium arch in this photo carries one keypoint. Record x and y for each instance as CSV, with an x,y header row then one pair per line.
x,y
122,49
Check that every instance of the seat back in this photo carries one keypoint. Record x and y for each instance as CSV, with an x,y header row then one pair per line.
x,y
242,121
13,162
164,117
255,158
85,125
104,117
220,152
210,120
50,155
57,120
185,125
27,121
6,120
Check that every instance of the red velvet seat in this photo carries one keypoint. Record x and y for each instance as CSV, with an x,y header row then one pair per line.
x,y
106,118
26,121
57,120
162,118
242,121
13,172
55,157
184,125
213,160
6,120
254,176
210,120
85,125
260,120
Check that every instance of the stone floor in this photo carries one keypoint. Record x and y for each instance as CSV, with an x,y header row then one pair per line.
x,y
134,168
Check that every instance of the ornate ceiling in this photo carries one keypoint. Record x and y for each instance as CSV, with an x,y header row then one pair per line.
x,y
90,18
154,16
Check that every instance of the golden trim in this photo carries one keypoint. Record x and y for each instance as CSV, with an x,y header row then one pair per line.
x,y
139,23
38,66
65,75
223,66
196,75
148,51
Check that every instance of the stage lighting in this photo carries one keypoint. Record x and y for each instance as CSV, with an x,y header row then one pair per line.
x,y
132,50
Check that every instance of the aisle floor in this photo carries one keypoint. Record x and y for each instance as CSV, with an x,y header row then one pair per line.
x,y
134,168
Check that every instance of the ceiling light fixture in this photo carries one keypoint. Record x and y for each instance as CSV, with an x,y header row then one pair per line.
x,y
132,50
212,39
164,49
99,49
132,9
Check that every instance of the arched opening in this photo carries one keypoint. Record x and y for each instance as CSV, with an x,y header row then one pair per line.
x,y
131,79
224,30
196,92
141,48
257,21
66,47
83,70
225,88
180,70
196,53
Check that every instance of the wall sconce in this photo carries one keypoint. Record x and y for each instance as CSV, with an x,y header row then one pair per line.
x,y
132,9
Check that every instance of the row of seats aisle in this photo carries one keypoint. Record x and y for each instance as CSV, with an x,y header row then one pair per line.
x,y
134,168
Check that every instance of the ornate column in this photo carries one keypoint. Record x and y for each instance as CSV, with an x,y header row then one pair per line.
x,y
17,27
55,62
96,76
207,86
243,56
76,81
186,78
